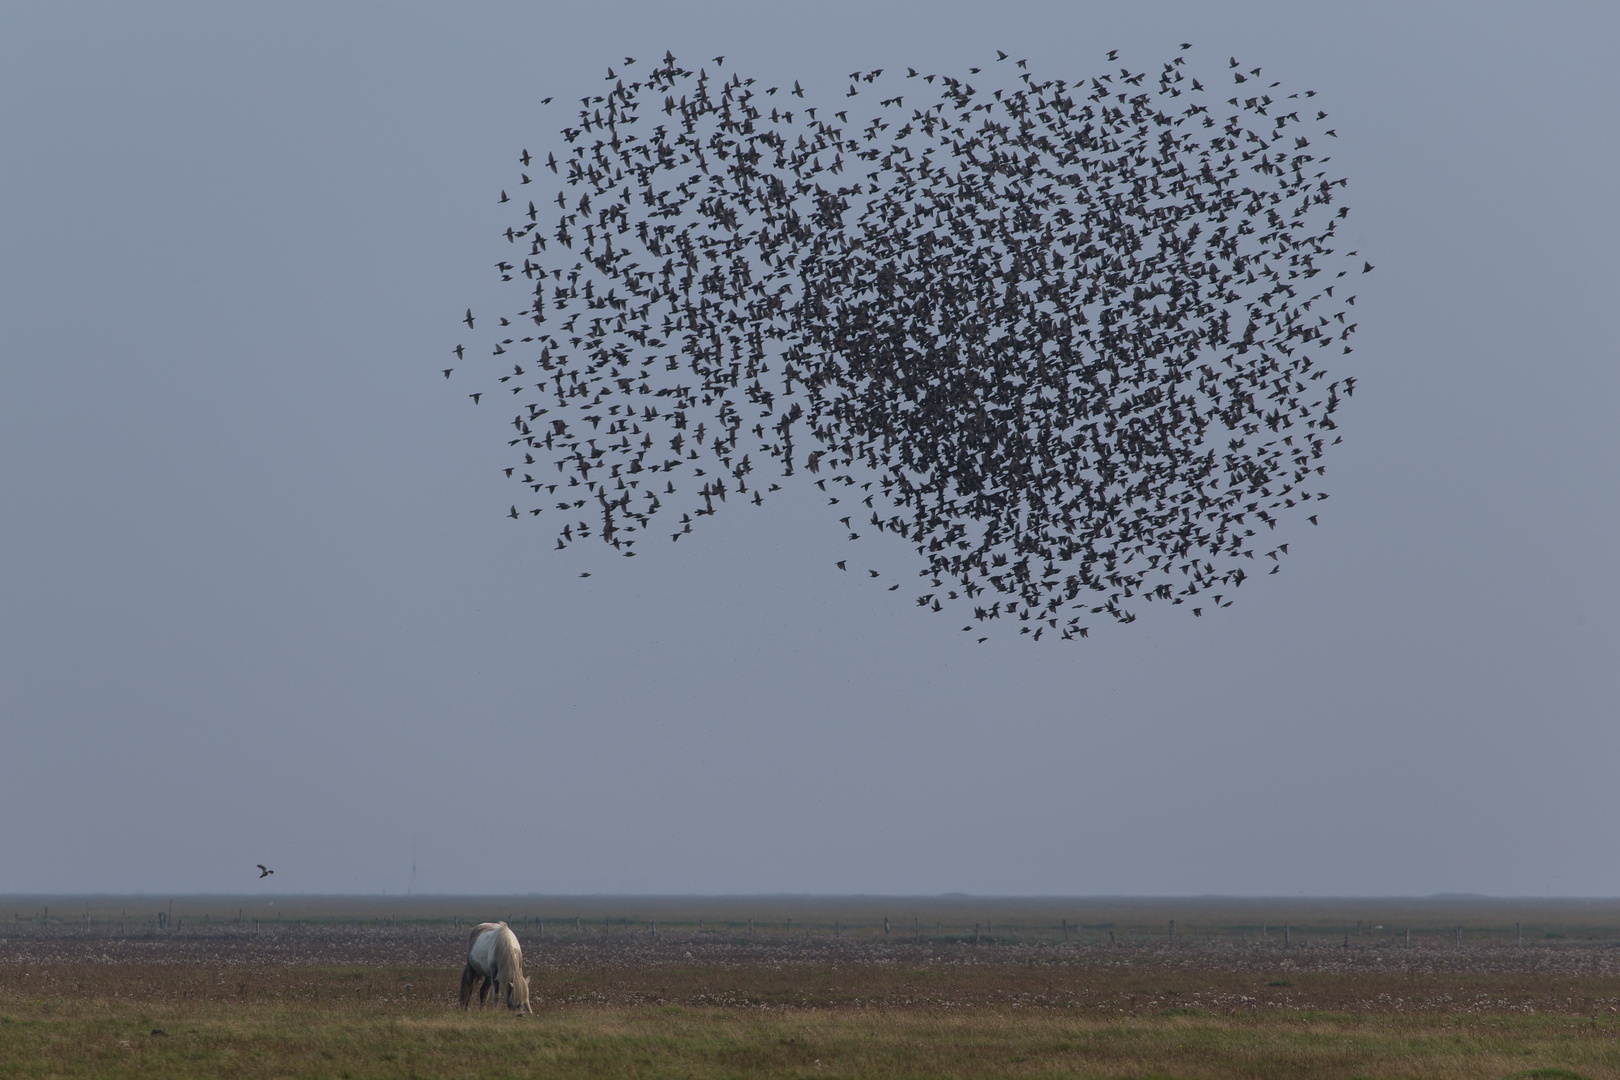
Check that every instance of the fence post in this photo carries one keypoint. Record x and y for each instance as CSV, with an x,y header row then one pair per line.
x,y
885,925
1065,931
1518,933
1285,935
1172,931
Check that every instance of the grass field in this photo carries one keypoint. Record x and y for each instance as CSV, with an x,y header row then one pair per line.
x,y
364,987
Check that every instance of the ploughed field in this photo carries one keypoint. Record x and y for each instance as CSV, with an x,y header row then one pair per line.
x,y
686,987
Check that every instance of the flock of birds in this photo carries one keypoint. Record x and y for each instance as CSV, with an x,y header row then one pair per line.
x,y
1069,340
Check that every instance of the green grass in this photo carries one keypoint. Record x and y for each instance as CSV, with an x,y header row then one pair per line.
x,y
700,1043
359,1022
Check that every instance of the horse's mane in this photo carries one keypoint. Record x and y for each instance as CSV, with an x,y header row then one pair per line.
x,y
508,954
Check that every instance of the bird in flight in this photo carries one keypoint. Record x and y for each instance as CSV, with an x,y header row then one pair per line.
x,y
264,871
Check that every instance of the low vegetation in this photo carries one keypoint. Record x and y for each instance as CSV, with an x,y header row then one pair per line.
x,y
356,995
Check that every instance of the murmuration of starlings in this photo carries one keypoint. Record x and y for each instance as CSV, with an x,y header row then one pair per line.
x,y
1068,339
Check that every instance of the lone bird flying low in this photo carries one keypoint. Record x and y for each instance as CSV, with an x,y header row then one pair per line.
x,y
264,871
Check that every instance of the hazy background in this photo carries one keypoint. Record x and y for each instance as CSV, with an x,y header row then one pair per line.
x,y
259,601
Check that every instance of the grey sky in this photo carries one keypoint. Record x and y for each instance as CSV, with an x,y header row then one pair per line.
x,y
259,601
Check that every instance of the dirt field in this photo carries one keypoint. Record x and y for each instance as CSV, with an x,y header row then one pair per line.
x,y
365,987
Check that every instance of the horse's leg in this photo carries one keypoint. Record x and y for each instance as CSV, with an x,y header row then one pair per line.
x,y
483,991
467,977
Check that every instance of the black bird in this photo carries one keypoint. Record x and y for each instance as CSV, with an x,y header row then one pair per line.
x,y
264,871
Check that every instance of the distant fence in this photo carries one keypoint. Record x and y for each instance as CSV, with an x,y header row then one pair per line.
x,y
926,920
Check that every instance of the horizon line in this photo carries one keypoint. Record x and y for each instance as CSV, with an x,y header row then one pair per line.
x,y
1446,896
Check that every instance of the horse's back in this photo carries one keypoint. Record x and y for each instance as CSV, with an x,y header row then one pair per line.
x,y
481,946
479,931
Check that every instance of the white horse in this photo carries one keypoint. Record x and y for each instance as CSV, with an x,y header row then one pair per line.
x,y
494,955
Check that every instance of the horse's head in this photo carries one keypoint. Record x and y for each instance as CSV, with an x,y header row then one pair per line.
x,y
517,995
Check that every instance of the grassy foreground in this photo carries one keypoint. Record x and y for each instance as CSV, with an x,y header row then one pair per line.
x,y
80,1021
